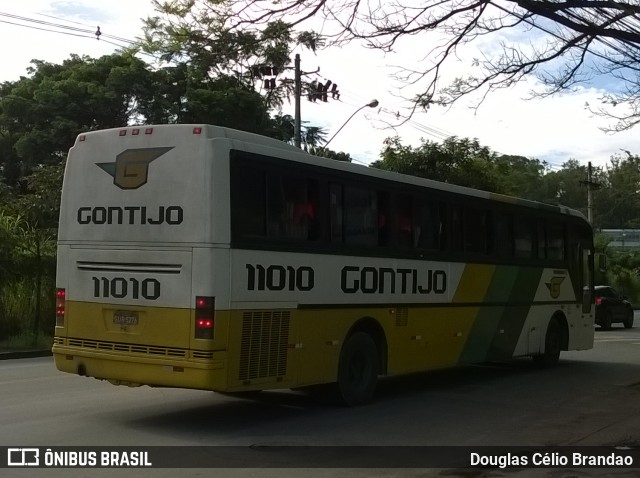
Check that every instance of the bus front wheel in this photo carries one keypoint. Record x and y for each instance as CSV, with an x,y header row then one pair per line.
x,y
552,346
358,369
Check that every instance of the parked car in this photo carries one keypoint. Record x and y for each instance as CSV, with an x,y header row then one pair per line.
x,y
611,307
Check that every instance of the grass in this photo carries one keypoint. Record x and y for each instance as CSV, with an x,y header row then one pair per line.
x,y
18,328
26,341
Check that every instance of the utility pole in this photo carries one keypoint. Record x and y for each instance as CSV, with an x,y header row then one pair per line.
x,y
591,186
297,140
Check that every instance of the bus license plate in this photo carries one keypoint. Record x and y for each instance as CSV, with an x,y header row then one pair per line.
x,y
125,317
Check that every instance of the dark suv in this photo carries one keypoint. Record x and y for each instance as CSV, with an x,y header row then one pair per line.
x,y
612,307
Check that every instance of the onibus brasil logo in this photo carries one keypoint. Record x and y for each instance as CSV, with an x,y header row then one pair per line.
x,y
131,167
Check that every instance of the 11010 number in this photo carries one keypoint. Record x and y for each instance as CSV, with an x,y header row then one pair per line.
x,y
119,288
279,278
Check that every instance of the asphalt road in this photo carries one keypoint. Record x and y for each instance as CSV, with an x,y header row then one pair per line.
x,y
591,398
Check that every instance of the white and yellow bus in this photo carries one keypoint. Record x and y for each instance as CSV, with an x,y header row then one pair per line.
x,y
203,257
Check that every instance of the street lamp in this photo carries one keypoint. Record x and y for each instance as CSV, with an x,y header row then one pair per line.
x,y
371,104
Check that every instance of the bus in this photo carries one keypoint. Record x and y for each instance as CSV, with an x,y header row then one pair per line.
x,y
202,257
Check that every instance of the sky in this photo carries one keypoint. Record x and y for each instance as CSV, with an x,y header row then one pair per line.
x,y
554,129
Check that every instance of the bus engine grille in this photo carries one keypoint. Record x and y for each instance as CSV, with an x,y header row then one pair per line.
x,y
263,350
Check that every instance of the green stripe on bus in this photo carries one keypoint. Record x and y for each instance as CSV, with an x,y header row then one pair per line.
x,y
488,319
513,318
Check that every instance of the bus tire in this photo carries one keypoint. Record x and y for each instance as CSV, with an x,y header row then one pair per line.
x,y
552,346
358,369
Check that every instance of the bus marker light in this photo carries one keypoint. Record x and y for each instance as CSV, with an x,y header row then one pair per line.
x,y
135,132
148,131
123,132
197,130
82,137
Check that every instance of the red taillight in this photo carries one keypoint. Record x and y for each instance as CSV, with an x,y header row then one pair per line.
x,y
598,300
197,130
204,317
61,298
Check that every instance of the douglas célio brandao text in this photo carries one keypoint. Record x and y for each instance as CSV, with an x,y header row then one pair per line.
x,y
542,459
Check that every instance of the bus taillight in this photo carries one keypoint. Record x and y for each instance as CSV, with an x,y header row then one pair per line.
x,y
61,297
204,317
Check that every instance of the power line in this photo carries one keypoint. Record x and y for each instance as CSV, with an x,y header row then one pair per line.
x,y
64,29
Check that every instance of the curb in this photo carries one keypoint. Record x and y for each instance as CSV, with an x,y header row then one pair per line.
x,y
25,354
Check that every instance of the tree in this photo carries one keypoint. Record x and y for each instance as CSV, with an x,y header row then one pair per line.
x,y
566,186
200,35
617,202
563,42
521,176
330,154
41,115
457,161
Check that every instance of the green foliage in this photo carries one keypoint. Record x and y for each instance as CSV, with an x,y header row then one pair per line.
x,y
458,161
204,37
330,154
618,199
623,274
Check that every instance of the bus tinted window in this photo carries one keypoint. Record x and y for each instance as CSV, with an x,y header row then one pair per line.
x,y
360,217
456,239
250,212
503,235
476,230
542,240
292,208
523,237
428,224
403,221
556,241
336,212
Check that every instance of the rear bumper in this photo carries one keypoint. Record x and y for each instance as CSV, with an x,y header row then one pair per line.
x,y
127,369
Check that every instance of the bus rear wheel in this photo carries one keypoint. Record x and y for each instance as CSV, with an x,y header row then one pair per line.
x,y
552,346
358,369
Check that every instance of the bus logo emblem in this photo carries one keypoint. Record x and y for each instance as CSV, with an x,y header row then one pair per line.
x,y
131,167
554,286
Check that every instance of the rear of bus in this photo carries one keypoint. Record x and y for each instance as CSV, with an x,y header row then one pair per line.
x,y
137,245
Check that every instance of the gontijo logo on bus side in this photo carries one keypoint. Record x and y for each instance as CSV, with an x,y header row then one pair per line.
x,y
131,168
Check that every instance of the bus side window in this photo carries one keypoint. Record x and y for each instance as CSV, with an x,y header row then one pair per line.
x,y
248,202
336,213
503,235
403,220
456,239
428,228
291,208
523,237
556,243
476,230
542,239
384,218
360,217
